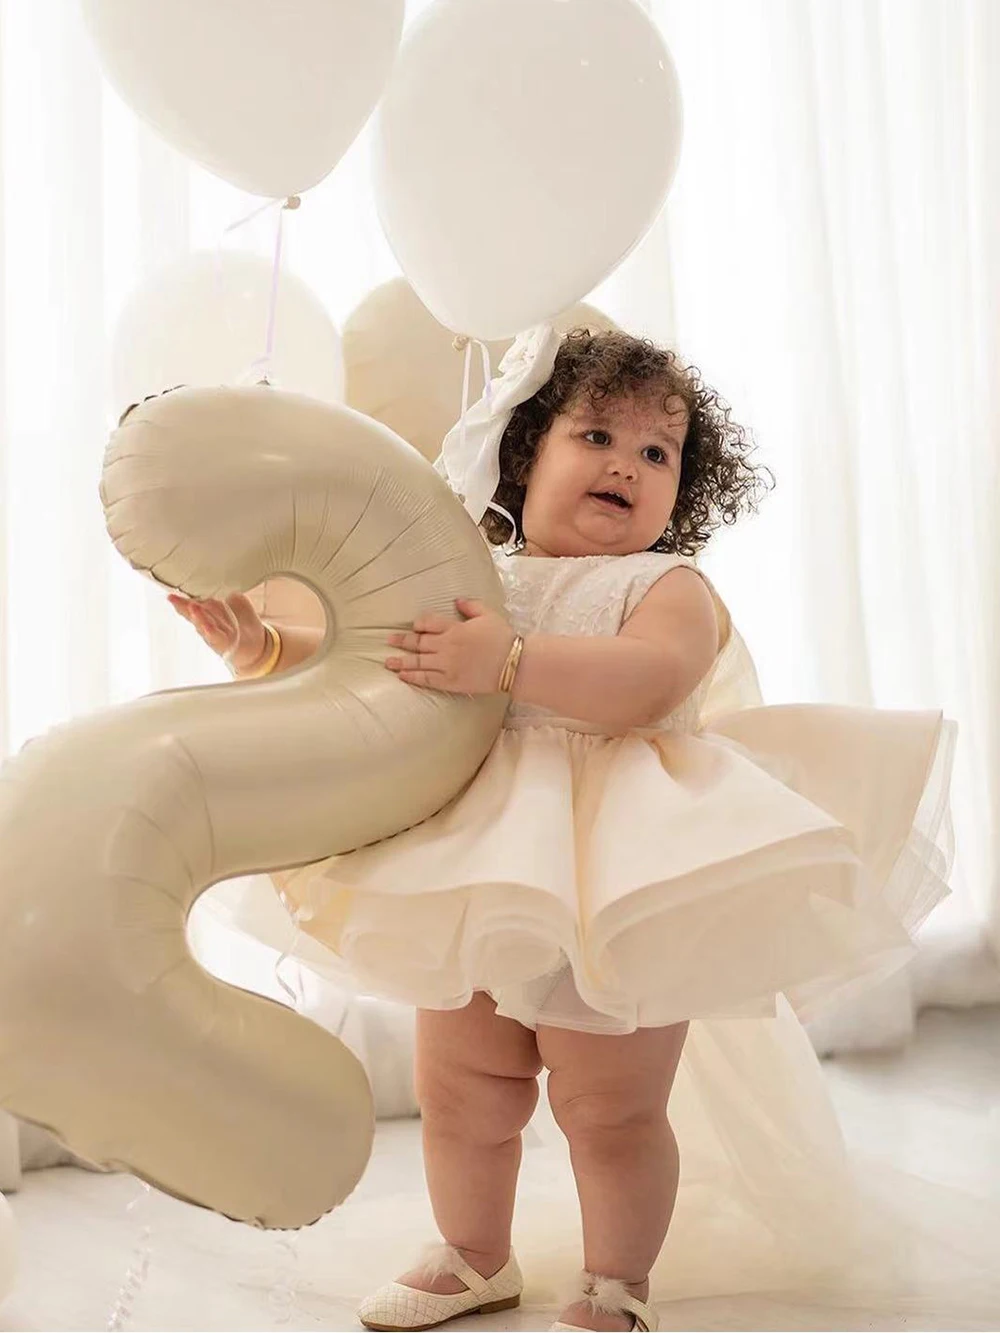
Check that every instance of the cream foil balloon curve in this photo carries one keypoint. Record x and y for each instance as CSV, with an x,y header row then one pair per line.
x,y
111,826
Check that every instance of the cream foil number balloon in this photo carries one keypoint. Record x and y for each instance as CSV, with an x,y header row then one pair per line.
x,y
111,826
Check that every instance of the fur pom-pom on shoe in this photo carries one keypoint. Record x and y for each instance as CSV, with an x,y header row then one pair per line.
x,y
438,1258
610,1296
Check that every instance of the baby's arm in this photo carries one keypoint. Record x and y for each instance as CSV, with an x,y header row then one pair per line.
x,y
298,642
236,631
656,660
297,613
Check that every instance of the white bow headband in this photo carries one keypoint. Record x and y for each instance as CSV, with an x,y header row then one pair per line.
x,y
470,455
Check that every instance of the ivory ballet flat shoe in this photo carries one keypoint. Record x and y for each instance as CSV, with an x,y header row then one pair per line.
x,y
610,1296
396,1307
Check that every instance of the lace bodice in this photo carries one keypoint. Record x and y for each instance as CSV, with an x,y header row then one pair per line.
x,y
592,595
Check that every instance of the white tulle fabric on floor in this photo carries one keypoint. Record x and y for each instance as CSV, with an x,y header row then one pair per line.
x,y
771,1200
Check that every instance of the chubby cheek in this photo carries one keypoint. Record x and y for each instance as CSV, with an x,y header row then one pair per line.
x,y
657,512
550,493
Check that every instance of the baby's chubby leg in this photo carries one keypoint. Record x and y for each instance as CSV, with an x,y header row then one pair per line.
x,y
609,1097
476,1080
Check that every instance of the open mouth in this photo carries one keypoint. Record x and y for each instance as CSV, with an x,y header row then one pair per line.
x,y
613,500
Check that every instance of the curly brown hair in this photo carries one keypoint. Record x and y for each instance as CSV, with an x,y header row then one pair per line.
x,y
717,482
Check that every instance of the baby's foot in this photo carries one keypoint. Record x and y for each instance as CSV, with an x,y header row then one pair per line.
x,y
425,1278
444,1285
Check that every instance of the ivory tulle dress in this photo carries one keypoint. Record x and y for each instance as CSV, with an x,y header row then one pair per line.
x,y
736,864
694,869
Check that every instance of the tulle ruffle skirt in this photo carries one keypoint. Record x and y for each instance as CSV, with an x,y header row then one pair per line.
x,y
608,882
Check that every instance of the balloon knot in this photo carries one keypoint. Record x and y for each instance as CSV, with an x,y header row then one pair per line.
x,y
292,202
460,342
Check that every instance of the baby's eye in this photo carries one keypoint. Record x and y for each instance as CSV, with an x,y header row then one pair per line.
x,y
655,454
605,437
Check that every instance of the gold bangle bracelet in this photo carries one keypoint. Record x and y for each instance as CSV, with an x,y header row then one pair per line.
x,y
272,658
513,661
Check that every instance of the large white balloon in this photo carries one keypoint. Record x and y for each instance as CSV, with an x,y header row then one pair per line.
x,y
267,95
523,148
203,321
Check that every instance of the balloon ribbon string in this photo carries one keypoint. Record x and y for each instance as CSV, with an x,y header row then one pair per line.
x,y
259,367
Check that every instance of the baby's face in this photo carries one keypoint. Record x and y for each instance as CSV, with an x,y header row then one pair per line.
x,y
630,449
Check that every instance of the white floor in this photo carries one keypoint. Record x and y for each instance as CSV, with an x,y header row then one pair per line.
x,y
933,1111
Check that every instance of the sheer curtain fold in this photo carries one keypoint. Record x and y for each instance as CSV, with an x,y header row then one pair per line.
x,y
829,257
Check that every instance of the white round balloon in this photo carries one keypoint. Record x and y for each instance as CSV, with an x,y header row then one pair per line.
x,y
203,321
267,95
523,148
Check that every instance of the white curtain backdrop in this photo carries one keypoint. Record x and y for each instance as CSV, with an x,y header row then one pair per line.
x,y
833,246
830,257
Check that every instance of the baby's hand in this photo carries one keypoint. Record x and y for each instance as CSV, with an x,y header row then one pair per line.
x,y
232,628
459,657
